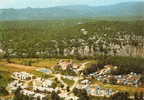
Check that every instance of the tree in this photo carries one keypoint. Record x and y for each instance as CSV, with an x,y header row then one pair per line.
x,y
120,96
136,97
142,80
55,96
83,95
18,95
68,88
76,91
3,91
5,44
113,80
47,98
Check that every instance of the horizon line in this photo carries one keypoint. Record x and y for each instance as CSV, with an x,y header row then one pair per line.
x,y
29,7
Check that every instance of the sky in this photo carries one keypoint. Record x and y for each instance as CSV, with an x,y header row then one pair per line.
x,y
52,3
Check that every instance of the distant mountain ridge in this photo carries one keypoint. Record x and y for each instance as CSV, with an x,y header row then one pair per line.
x,y
132,9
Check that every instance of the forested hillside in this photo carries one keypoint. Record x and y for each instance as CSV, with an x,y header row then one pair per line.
x,y
71,38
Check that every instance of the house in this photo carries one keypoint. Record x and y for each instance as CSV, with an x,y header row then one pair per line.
x,y
65,64
33,94
107,69
85,82
22,76
12,87
99,91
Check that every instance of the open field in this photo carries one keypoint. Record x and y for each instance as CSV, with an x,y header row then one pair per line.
x,y
48,63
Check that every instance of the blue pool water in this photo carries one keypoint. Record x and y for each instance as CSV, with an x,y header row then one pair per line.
x,y
45,70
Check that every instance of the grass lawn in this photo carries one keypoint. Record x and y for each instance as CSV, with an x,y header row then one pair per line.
x,y
48,62
5,78
68,82
5,68
37,62
41,74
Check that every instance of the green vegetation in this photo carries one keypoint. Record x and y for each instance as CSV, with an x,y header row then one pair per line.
x,y
49,39
5,79
68,81
127,64
98,98
37,62
44,43
42,75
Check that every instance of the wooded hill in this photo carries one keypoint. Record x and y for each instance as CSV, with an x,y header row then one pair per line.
x,y
71,38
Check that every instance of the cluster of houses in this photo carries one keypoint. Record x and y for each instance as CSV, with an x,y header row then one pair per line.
x,y
12,87
33,94
36,87
43,85
19,77
104,75
68,97
107,70
22,76
97,90
68,64
23,80
65,64
131,79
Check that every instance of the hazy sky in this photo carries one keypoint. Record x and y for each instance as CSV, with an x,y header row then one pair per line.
x,y
49,3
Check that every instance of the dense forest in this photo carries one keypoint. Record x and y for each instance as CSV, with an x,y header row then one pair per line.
x,y
70,38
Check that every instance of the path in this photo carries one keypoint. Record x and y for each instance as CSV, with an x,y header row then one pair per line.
x,y
58,76
75,84
79,78
83,65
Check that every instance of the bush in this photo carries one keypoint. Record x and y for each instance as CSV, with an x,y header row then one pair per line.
x,y
3,91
